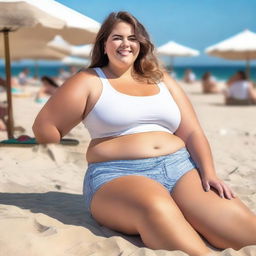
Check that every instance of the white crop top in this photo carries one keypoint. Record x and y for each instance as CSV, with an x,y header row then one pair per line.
x,y
239,90
117,114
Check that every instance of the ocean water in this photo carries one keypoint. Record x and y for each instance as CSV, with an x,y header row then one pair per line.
x,y
221,73
43,70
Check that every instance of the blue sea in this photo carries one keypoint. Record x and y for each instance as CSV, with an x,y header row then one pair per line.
x,y
221,73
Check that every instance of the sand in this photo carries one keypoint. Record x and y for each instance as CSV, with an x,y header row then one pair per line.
x,y
41,205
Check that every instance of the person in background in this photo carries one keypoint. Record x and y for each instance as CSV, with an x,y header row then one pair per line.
x,y
2,83
3,115
239,90
23,78
16,87
63,75
73,70
189,76
209,83
150,167
48,88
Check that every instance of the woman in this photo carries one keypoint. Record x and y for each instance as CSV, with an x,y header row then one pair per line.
x,y
141,178
209,84
189,76
49,87
240,90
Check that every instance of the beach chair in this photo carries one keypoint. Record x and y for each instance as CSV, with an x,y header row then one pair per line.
x,y
238,102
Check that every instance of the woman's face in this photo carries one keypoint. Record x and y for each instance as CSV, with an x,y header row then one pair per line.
x,y
122,46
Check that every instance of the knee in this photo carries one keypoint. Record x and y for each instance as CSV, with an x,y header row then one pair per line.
x,y
159,207
247,234
250,229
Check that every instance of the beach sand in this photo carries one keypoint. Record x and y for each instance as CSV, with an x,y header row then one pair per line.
x,y
41,205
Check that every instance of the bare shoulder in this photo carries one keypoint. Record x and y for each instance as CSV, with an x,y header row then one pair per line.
x,y
84,78
87,73
75,92
79,86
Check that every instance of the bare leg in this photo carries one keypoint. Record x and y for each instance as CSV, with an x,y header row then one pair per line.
x,y
139,205
224,223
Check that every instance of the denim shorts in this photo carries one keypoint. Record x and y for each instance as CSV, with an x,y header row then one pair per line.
x,y
167,170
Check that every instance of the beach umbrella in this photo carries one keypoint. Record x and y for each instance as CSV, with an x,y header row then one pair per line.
x,y
41,20
82,51
241,46
74,61
35,49
60,45
174,49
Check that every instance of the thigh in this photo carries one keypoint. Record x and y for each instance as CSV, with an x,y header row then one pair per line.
x,y
216,218
120,203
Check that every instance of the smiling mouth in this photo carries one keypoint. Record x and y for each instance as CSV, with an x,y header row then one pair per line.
x,y
124,52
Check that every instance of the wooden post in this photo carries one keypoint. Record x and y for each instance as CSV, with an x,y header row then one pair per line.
x,y
10,122
248,68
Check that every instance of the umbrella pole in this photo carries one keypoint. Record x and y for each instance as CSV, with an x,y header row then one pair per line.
x,y
36,73
248,68
171,63
10,122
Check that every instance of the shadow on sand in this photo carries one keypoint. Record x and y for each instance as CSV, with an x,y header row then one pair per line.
x,y
64,207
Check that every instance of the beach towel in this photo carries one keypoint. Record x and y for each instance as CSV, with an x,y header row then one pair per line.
x,y
27,140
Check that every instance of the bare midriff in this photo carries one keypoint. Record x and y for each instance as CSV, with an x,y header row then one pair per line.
x,y
133,146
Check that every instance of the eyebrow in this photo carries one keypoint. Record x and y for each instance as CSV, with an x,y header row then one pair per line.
x,y
122,36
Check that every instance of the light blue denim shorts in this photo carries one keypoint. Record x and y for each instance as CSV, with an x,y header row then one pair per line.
x,y
167,170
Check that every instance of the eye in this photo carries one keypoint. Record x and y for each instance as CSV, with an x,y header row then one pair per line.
x,y
133,39
116,38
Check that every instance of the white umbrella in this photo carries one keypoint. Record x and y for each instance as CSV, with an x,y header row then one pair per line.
x,y
48,18
82,51
74,61
40,20
241,46
174,49
35,49
56,49
60,45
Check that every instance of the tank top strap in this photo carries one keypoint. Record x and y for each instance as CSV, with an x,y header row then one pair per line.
x,y
162,86
101,75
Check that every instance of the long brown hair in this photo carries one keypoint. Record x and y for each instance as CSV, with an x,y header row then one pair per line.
x,y
146,65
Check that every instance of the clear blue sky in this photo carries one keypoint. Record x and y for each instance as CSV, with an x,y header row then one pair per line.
x,y
194,23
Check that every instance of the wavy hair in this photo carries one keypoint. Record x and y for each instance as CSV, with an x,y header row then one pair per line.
x,y
146,65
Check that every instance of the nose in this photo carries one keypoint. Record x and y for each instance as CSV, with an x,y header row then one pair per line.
x,y
125,42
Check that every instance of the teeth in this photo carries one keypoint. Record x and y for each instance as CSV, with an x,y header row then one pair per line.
x,y
124,52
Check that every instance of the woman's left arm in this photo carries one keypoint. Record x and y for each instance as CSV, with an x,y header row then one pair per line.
x,y
190,131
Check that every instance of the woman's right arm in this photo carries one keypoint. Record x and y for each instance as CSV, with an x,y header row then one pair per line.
x,y
64,110
232,79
